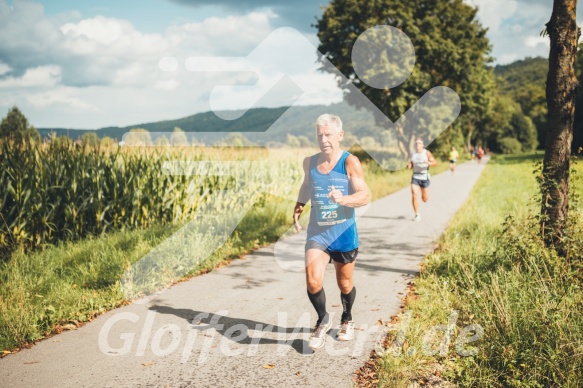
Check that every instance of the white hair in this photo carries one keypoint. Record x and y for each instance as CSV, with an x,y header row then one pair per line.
x,y
329,120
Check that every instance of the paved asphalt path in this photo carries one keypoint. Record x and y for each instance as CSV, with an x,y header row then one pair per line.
x,y
247,324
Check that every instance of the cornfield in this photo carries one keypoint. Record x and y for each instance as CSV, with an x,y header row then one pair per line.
x,y
60,191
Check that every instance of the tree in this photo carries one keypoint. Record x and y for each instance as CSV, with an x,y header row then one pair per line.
x,y
178,138
524,131
386,139
349,140
107,142
90,139
15,125
138,137
368,142
235,139
162,141
505,120
577,145
561,90
509,145
476,94
305,142
451,49
293,141
524,82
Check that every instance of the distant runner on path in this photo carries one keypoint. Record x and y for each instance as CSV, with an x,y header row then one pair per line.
x,y
421,160
334,182
453,156
480,154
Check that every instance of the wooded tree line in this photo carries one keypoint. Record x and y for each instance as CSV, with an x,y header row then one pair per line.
x,y
513,117
503,108
524,82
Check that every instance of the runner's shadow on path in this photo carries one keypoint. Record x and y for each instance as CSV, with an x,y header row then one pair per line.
x,y
374,269
385,218
262,253
237,329
392,248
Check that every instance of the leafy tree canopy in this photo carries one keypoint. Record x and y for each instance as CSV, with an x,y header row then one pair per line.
x,y
451,49
15,125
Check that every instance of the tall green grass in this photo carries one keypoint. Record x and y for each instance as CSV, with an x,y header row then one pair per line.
x,y
492,266
62,191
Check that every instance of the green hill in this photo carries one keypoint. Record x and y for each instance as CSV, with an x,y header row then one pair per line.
x,y
260,125
517,74
524,81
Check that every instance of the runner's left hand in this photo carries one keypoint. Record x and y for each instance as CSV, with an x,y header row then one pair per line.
x,y
335,195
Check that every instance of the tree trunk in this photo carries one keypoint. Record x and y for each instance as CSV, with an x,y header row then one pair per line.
x,y
411,145
561,86
470,126
402,142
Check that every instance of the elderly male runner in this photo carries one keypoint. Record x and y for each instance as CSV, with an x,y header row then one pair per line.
x,y
334,182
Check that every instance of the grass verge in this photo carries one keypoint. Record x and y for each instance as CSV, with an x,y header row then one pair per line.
x,y
492,272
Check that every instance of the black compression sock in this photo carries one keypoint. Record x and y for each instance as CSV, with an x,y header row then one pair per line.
x,y
347,302
319,302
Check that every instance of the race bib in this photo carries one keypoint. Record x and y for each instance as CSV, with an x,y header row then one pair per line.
x,y
330,213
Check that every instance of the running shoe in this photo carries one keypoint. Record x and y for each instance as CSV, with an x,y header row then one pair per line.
x,y
318,337
346,332
417,217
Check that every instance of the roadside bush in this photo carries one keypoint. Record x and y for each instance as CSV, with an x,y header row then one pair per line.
x,y
509,145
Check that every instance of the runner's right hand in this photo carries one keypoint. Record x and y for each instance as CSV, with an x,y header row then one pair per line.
x,y
297,212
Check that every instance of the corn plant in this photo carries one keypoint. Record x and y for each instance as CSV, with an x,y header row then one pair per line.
x,y
59,190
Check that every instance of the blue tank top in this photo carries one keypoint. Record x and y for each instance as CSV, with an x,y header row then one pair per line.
x,y
331,225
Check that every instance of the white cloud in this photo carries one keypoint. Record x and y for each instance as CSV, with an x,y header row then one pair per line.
x,y
285,52
514,27
229,36
87,73
4,68
61,96
534,41
26,33
168,84
101,71
99,29
493,12
324,90
42,76
103,64
108,51
109,37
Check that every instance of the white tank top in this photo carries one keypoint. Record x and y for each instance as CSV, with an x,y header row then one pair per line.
x,y
420,165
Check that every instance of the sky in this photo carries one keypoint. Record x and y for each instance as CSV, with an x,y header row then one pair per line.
x,y
94,64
